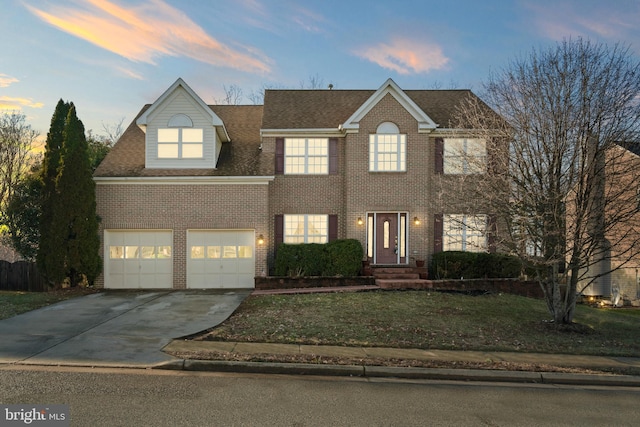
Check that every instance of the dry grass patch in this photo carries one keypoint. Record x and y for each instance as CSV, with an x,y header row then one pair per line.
x,y
428,320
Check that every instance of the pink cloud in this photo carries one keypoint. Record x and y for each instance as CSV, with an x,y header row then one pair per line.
x,y
406,56
567,18
147,32
11,103
6,81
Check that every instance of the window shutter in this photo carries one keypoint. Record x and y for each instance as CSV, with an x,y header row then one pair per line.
x,y
279,156
333,227
279,230
438,232
439,155
492,228
333,156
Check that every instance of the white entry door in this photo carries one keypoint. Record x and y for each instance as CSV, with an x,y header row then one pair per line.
x,y
220,259
138,259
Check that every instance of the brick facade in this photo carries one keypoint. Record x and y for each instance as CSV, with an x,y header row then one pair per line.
x,y
185,207
135,194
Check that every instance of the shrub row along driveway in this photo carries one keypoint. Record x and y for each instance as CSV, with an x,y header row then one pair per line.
x,y
117,328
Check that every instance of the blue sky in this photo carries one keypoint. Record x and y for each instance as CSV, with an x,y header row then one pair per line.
x,y
110,57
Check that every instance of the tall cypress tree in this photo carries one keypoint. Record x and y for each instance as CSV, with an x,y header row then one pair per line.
x,y
49,255
74,216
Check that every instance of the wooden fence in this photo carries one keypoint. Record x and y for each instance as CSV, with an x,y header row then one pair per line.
x,y
21,276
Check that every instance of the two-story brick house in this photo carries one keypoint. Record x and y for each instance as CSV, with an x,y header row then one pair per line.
x,y
199,196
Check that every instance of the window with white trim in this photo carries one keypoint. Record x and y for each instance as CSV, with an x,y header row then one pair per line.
x,y
180,140
387,149
306,156
306,228
464,233
180,143
464,156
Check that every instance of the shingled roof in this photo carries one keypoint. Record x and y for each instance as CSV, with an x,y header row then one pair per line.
x,y
327,109
283,109
240,157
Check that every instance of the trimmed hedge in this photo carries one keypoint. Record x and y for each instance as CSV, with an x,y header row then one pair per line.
x,y
474,265
341,257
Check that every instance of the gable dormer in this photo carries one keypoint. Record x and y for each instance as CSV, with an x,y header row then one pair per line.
x,y
181,131
425,123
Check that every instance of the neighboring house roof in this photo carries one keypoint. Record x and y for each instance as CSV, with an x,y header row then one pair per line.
x,y
634,147
7,253
240,157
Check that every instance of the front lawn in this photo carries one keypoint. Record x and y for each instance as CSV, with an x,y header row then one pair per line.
x,y
13,303
429,320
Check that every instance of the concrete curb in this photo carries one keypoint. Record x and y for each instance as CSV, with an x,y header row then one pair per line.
x,y
484,375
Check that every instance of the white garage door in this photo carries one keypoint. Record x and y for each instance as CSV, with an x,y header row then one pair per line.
x,y
220,259
138,259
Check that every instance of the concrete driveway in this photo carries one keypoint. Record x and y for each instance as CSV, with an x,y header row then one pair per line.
x,y
113,328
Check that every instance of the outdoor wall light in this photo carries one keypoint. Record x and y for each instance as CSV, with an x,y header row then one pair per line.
x,y
261,239
360,221
416,221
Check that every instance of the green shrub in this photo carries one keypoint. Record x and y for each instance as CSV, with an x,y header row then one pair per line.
x,y
337,258
474,265
345,257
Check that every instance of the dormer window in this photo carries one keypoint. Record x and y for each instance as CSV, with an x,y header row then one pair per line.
x,y
180,140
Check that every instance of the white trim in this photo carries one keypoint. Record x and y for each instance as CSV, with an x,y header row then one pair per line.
x,y
184,180
398,214
215,120
107,260
459,133
425,123
311,133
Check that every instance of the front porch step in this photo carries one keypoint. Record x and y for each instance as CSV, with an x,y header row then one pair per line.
x,y
399,270
396,275
403,284
392,277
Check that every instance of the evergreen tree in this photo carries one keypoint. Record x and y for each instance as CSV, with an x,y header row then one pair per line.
x,y
49,257
23,214
74,216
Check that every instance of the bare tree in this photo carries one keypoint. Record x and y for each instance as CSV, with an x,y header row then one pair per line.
x,y
314,82
232,95
16,140
562,194
113,131
257,96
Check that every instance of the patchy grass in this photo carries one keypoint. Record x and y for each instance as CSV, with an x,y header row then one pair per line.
x,y
13,303
429,320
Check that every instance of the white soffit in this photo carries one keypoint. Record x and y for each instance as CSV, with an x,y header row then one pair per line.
x,y
215,120
425,123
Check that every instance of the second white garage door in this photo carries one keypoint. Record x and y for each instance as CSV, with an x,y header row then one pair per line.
x,y
220,259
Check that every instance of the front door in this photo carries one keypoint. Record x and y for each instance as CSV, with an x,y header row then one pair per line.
x,y
388,235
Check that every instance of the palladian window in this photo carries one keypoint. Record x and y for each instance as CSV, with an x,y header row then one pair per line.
x,y
387,149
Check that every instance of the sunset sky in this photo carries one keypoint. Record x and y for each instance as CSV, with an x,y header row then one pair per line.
x,y
110,57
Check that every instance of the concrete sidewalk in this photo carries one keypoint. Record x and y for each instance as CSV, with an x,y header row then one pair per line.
x,y
538,359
